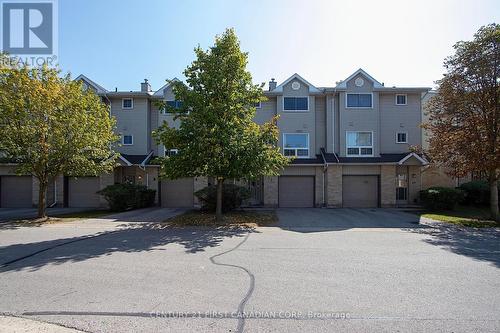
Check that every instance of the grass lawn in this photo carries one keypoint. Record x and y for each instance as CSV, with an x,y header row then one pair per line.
x,y
476,217
249,219
69,217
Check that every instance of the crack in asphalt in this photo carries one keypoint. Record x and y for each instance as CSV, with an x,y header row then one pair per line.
x,y
241,306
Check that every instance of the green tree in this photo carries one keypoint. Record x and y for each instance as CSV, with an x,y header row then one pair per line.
x,y
50,126
464,117
217,136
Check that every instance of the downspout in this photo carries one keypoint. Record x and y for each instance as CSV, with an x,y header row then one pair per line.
x,y
325,169
55,194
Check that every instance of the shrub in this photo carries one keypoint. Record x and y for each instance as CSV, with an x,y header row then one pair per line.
x,y
441,198
232,197
122,197
477,192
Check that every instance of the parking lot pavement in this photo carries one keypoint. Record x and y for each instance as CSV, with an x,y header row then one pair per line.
x,y
9,214
363,272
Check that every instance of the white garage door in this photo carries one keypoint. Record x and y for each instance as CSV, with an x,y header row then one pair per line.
x,y
82,192
16,191
177,192
296,191
360,191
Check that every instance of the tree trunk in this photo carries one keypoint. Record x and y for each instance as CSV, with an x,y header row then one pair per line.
x,y
494,197
42,191
218,209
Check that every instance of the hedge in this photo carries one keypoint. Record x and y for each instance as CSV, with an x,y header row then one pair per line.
x,y
441,198
123,197
232,197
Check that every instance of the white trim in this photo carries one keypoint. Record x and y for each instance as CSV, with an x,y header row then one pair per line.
x,y
165,150
312,88
343,84
125,160
259,106
422,160
132,103
358,107
283,103
406,137
308,145
143,164
159,92
127,144
359,155
396,99
98,88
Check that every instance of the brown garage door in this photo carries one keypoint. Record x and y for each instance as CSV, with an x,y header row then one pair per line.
x,y
82,192
296,191
177,192
360,191
16,191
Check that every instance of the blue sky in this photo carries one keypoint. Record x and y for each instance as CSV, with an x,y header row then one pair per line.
x,y
120,43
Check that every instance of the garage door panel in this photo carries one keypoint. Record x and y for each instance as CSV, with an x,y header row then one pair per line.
x,y
360,191
16,191
177,193
82,192
296,191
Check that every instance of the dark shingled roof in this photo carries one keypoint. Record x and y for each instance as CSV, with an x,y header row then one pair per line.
x,y
316,160
137,159
383,158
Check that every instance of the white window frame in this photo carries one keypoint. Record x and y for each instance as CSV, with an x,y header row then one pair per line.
x,y
259,106
283,103
291,148
131,103
123,140
359,151
406,137
358,107
165,151
396,99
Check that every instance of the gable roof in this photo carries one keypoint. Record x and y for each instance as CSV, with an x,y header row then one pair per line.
x,y
343,84
159,92
100,89
312,88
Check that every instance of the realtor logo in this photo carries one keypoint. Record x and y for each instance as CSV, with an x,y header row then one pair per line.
x,y
29,27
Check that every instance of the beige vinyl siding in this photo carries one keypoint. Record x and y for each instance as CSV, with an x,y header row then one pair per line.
x,y
132,122
154,123
297,121
358,119
399,118
361,169
267,111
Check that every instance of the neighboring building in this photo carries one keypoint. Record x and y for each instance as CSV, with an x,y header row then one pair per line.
x,y
351,143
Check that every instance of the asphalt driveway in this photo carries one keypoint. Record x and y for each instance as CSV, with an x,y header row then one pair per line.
x,y
317,270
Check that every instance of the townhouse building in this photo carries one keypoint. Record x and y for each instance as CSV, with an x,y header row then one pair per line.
x,y
351,145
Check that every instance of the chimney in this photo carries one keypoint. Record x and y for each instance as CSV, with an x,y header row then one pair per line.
x,y
272,84
145,86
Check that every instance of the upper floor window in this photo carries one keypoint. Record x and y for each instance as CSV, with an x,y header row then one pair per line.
x,y
401,99
359,143
296,144
171,152
172,105
359,100
402,137
127,103
258,105
128,140
295,104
